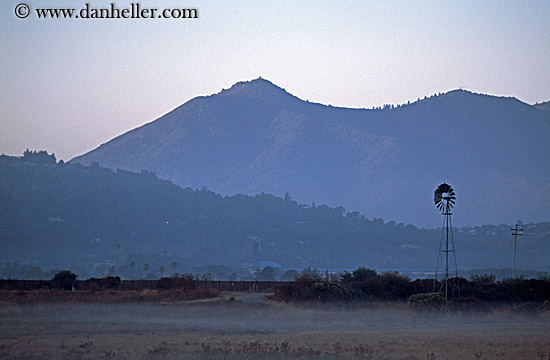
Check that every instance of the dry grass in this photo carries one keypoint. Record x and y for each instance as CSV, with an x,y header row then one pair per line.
x,y
236,330
398,344
106,296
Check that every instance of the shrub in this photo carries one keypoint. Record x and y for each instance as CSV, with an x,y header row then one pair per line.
x,y
483,280
331,292
306,288
476,293
185,282
422,286
93,287
360,274
290,275
108,282
388,286
311,273
64,279
299,290
484,287
427,302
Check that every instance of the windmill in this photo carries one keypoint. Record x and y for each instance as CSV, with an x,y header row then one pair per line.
x,y
444,199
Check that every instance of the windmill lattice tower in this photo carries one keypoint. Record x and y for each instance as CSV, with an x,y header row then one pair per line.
x,y
444,199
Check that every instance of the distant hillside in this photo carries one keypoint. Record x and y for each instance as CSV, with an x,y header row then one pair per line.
x,y
545,106
255,137
61,214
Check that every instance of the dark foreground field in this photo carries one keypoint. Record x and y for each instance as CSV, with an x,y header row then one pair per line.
x,y
227,329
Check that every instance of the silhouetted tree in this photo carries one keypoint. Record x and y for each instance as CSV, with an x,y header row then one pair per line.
x,y
290,275
311,273
38,157
266,274
360,274
65,279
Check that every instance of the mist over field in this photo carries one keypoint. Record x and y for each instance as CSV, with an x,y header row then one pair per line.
x,y
235,318
236,330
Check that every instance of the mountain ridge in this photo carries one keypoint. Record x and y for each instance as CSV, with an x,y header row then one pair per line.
x,y
255,137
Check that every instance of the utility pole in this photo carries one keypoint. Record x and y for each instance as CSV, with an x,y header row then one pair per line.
x,y
165,269
117,249
515,231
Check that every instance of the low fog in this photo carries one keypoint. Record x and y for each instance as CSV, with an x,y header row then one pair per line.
x,y
234,318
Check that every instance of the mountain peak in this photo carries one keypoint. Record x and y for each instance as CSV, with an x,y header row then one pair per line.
x,y
257,88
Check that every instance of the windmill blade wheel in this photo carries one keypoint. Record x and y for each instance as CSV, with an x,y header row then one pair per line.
x,y
444,197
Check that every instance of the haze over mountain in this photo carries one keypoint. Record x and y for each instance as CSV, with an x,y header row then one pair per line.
x,y
255,137
55,214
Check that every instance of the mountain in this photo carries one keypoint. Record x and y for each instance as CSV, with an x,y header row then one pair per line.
x,y
543,106
55,215
255,137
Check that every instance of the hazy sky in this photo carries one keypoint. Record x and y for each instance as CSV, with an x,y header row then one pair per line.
x,y
69,85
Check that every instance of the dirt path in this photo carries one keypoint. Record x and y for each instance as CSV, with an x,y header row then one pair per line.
x,y
245,297
252,297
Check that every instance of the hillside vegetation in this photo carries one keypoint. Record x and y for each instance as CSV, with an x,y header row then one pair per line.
x,y
60,214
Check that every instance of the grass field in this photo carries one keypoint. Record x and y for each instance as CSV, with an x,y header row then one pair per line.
x,y
234,329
